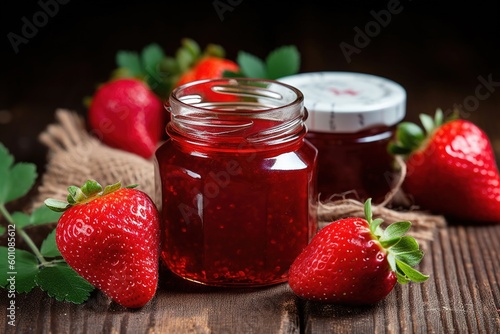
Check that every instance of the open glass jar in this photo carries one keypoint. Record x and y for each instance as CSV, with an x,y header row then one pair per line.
x,y
352,118
236,181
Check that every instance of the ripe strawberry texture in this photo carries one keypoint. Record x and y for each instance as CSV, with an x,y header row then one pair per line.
x,y
451,168
125,114
354,261
209,67
111,238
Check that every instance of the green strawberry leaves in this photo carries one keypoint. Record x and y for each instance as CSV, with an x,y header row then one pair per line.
x,y
251,65
145,66
161,72
393,233
88,191
407,274
43,215
22,267
281,62
403,251
410,136
49,246
130,61
44,267
64,284
15,179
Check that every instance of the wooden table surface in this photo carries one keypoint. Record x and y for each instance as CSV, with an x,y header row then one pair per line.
x,y
461,296
440,52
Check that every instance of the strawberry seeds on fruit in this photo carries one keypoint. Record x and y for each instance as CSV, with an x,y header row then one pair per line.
x,y
354,261
111,237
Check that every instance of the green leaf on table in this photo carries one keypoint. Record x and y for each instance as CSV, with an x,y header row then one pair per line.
x,y
15,179
282,62
20,219
131,61
21,268
251,66
43,215
22,178
49,246
6,161
64,284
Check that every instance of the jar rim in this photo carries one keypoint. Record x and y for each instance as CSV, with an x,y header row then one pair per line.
x,y
226,83
235,110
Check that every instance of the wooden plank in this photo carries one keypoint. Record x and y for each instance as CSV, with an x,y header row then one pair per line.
x,y
462,296
179,307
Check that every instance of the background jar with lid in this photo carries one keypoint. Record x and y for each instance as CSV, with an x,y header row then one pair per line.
x,y
236,182
352,118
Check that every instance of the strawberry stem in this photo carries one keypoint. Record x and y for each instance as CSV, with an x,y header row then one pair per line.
x,y
374,224
402,251
27,239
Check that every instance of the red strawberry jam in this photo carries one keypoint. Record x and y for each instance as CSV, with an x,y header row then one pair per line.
x,y
355,165
237,183
352,118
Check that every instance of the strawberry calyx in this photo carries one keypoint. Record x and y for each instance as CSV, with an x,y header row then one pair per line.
x,y
411,137
187,56
403,251
89,191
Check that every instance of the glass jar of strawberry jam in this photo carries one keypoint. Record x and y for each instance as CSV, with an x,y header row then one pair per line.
x,y
352,118
237,182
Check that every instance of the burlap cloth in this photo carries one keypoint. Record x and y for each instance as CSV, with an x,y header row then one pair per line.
x,y
76,156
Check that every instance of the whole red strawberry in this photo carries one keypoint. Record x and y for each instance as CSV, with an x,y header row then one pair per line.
x,y
111,238
209,67
451,169
354,261
126,114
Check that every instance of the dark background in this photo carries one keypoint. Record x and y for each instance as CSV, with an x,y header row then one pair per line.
x,y
436,50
